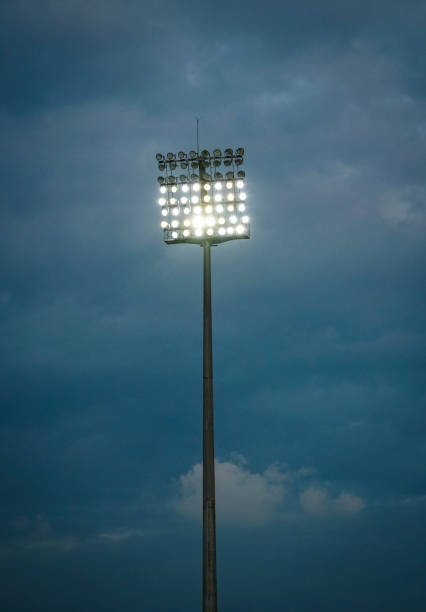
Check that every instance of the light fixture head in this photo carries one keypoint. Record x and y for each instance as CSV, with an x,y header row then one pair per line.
x,y
238,161
240,151
181,155
217,153
205,154
161,166
159,157
172,165
170,156
184,165
227,161
230,175
160,180
228,153
192,155
241,174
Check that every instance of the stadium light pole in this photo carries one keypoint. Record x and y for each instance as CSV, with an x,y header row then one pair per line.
x,y
205,209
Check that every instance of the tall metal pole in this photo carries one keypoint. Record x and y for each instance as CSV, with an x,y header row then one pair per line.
x,y
209,510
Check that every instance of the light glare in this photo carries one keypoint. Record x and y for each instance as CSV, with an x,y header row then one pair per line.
x,y
240,184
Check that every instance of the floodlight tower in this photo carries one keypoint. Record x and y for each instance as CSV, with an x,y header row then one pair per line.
x,y
205,209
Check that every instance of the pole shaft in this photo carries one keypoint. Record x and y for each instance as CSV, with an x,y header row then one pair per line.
x,y
209,518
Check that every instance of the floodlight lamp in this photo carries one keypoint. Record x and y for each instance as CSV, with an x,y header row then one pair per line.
x,y
185,188
161,201
210,232
222,231
221,220
174,235
175,210
216,162
184,200
198,210
240,151
186,233
206,198
219,208
172,179
207,186
240,229
160,179
192,155
165,212
233,219
164,224
229,175
196,186
182,178
217,153
243,196
170,156
172,200
218,175
228,152
184,165
227,161
241,174
187,222
205,154
161,166
181,155
172,165
195,199
229,185
240,184
230,230
174,188
238,161
163,189
186,210
209,209
218,198
241,207
230,207
194,164
175,223
245,219
198,232
159,157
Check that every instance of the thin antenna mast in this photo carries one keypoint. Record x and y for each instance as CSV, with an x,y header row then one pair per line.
x,y
198,146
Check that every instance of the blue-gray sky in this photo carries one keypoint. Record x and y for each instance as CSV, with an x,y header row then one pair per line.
x,y
319,319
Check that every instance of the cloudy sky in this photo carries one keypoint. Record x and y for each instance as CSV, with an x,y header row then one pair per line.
x,y
319,319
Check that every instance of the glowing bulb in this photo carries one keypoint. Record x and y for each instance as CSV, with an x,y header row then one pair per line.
x,y
164,224
186,233
161,201
207,187
230,197
233,219
195,199
174,188
186,210
185,188
165,212
210,231
240,184
173,200
198,210
222,231
175,210
221,220
210,221
218,198
241,207
229,185
174,235
198,232
197,222
163,189
230,230
184,200
196,186
245,219
187,222
219,208
230,207
218,186
243,196
206,198
240,229
209,209
175,223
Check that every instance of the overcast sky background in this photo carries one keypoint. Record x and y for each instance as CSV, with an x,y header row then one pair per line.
x,y
319,319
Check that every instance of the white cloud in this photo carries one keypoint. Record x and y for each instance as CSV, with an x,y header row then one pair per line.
x,y
241,496
316,500
248,498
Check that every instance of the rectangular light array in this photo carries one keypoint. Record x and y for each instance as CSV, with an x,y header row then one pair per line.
x,y
204,206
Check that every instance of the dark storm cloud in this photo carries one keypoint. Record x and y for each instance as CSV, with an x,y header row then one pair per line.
x,y
319,319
